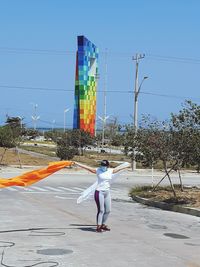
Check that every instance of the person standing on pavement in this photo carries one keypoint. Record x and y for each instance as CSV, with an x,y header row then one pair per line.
x,y
101,190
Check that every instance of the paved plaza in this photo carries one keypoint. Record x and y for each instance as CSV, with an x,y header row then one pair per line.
x,y
42,225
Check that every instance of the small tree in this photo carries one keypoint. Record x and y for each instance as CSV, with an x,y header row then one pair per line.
x,y
159,145
194,159
65,151
31,133
186,130
117,140
17,127
80,139
130,143
147,144
113,132
152,142
7,138
72,143
53,135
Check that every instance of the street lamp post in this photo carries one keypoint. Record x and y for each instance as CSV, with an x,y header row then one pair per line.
x,y
65,111
103,128
35,117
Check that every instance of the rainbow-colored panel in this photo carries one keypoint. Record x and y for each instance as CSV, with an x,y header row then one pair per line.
x,y
85,86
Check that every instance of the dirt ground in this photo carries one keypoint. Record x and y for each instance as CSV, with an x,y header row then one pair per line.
x,y
12,157
188,197
43,157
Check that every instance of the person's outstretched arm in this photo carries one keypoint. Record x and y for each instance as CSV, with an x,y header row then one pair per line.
x,y
85,167
121,167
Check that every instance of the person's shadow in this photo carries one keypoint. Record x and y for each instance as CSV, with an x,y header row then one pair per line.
x,y
85,227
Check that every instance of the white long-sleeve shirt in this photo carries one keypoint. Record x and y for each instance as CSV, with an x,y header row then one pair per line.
x,y
104,179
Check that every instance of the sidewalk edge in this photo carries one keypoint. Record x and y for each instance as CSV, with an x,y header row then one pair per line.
x,y
165,206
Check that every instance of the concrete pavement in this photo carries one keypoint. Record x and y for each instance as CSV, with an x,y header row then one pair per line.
x,y
47,228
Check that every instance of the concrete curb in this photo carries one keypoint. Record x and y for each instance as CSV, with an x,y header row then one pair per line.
x,y
165,206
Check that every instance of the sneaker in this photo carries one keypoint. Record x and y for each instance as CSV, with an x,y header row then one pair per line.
x,y
99,230
105,228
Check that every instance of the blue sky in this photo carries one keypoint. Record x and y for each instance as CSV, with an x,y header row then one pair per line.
x,y
38,45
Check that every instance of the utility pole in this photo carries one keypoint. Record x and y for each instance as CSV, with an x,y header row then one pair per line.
x,y
137,58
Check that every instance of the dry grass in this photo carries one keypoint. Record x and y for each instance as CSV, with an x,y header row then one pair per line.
x,y
49,151
11,158
188,197
92,159
89,158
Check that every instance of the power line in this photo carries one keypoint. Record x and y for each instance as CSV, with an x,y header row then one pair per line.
x,y
169,96
58,52
34,88
98,91
174,59
35,51
54,89
40,51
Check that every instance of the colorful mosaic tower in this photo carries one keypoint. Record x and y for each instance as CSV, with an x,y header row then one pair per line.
x,y
85,86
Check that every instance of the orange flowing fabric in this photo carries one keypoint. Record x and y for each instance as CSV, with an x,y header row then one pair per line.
x,y
32,177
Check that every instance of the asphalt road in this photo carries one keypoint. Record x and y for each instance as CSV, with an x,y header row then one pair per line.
x,y
42,225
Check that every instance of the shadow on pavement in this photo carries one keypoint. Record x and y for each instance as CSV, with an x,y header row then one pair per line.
x,y
85,227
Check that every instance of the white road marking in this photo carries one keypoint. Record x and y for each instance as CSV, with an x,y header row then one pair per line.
x,y
65,197
39,188
53,189
79,188
27,189
39,192
11,189
64,192
67,189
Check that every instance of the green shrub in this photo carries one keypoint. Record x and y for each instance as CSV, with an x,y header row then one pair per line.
x,y
66,152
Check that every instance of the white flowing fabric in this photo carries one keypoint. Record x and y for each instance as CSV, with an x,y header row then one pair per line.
x,y
89,192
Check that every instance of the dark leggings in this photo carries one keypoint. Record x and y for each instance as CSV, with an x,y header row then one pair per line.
x,y
103,202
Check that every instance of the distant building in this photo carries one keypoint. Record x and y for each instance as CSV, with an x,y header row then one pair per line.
x,y
85,86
